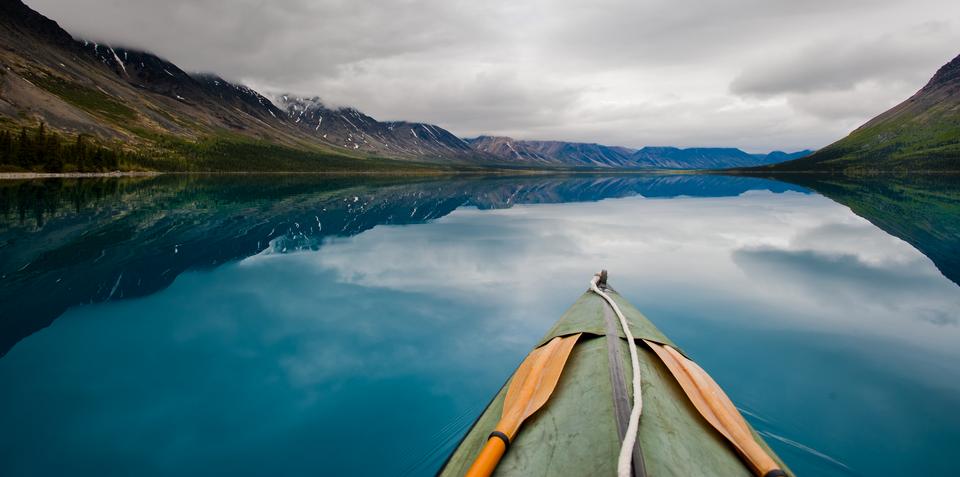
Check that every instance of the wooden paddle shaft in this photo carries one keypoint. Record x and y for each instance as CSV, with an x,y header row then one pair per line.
x,y
488,459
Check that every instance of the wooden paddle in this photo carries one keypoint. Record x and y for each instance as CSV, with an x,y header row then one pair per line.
x,y
531,386
717,409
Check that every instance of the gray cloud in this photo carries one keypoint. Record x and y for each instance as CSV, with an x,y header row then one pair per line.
x,y
846,278
757,74
843,62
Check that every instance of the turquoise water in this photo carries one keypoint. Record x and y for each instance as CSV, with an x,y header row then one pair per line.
x,y
309,326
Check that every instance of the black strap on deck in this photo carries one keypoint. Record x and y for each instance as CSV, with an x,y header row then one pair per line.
x,y
621,401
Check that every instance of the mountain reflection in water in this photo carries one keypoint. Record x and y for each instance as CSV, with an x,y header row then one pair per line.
x,y
210,325
87,241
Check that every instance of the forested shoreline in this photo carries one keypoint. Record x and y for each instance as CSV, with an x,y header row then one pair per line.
x,y
41,150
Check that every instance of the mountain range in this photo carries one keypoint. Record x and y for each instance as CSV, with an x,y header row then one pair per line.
x,y
708,158
183,120
175,120
558,153
353,130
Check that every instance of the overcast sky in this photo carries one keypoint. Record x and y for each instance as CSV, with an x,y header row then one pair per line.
x,y
755,74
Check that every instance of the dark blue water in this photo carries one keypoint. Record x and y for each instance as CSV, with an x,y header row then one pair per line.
x,y
308,326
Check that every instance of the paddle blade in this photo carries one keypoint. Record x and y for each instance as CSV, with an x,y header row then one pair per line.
x,y
534,382
714,405
529,390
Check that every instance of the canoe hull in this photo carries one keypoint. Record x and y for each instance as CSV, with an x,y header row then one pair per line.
x,y
576,433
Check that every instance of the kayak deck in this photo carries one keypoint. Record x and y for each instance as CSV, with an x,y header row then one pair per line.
x,y
576,433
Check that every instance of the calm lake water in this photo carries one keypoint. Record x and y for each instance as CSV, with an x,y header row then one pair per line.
x,y
291,325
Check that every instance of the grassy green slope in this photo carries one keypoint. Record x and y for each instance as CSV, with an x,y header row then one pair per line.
x,y
920,134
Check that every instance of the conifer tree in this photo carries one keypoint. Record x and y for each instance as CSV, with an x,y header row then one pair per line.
x,y
6,148
80,154
23,149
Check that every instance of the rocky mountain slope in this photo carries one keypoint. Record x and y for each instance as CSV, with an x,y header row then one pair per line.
x,y
112,92
353,130
142,101
919,134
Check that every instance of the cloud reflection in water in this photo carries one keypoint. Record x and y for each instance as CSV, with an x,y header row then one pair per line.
x,y
289,363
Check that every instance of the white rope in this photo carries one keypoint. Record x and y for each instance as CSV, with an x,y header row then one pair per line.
x,y
626,448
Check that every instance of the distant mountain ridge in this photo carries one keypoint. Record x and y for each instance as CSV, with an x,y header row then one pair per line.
x,y
781,156
553,153
573,154
702,158
919,134
656,157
